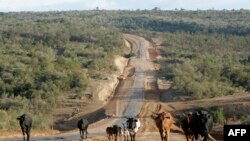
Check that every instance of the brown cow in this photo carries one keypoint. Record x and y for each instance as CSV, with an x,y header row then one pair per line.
x,y
164,121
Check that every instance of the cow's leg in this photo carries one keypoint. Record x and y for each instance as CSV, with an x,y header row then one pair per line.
x,y
163,136
196,136
23,133
28,136
125,137
28,133
131,136
86,133
187,136
168,134
194,139
81,133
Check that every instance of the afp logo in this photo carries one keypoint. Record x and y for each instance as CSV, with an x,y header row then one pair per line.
x,y
236,132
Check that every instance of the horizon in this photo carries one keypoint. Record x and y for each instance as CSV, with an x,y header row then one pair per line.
x,y
84,5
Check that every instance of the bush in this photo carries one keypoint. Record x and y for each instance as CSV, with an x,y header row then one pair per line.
x,y
218,115
4,119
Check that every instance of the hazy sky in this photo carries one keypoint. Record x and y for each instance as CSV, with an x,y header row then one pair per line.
x,y
47,5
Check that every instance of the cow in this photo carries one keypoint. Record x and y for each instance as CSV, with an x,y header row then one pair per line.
x,y
116,131
185,125
125,132
110,133
198,125
164,122
201,124
25,122
133,125
83,127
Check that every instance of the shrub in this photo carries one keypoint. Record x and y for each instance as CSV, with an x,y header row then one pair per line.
x,y
218,115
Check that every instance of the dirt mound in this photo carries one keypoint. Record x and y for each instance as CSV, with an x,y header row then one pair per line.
x,y
121,63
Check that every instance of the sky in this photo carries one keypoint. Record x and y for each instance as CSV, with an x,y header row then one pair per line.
x,y
65,5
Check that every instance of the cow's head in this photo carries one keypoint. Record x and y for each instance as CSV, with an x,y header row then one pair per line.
x,y
131,123
187,117
21,118
205,120
161,116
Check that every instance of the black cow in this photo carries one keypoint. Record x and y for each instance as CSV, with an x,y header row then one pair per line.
x,y
25,122
185,125
198,125
110,133
83,127
115,131
133,125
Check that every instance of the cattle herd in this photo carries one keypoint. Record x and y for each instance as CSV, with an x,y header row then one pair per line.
x,y
128,131
195,125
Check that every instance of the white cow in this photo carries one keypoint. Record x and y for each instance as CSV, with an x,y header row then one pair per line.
x,y
133,125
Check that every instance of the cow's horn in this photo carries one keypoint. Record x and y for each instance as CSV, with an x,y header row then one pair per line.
x,y
211,138
155,113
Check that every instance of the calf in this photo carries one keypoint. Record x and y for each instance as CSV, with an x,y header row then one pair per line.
x,y
133,125
164,122
25,122
115,131
110,133
83,127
